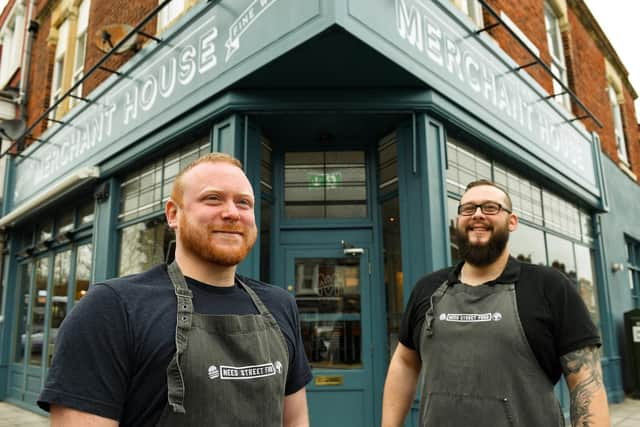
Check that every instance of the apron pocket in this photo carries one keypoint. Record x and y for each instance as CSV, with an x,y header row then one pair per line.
x,y
462,410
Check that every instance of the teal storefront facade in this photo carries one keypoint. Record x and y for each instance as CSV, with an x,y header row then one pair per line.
x,y
358,125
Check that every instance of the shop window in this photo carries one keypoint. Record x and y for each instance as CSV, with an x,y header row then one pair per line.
x,y
525,195
472,9
561,215
585,282
147,241
23,292
388,164
618,128
392,247
145,191
11,37
325,184
463,166
633,262
526,244
83,270
556,50
69,32
143,245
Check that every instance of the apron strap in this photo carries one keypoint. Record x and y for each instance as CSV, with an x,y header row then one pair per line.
x,y
184,309
430,315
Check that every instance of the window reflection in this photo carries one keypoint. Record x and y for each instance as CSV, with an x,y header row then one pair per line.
x,y
83,270
527,245
561,255
328,297
585,281
392,269
38,311
24,282
144,245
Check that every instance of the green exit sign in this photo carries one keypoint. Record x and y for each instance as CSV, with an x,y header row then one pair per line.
x,y
324,180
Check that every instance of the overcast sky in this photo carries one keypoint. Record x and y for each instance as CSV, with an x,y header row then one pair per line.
x,y
619,19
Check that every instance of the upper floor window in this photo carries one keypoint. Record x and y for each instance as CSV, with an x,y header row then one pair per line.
x,y
11,38
171,11
472,9
558,65
70,24
621,142
80,49
58,66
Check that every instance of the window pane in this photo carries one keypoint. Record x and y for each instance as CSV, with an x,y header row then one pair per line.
x,y
38,311
83,270
61,267
525,195
266,166
143,245
328,297
585,281
24,282
452,215
527,245
388,164
393,278
85,213
561,255
561,215
464,165
329,184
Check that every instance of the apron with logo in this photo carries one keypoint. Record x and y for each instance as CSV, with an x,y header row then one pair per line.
x,y
478,367
228,370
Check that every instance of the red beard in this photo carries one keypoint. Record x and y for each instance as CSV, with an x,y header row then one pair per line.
x,y
200,241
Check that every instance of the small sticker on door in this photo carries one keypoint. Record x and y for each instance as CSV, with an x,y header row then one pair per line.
x,y
636,333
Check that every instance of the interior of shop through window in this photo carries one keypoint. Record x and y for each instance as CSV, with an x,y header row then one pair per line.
x,y
552,231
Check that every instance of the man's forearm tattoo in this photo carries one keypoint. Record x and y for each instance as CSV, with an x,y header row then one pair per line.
x,y
583,392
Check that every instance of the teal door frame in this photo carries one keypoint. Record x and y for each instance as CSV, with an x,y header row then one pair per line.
x,y
352,399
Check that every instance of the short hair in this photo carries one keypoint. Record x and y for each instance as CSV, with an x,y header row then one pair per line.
x,y
215,157
481,182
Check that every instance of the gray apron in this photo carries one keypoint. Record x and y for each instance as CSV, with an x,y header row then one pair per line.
x,y
478,367
228,370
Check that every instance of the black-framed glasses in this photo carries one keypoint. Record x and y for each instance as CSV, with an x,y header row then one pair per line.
x,y
487,208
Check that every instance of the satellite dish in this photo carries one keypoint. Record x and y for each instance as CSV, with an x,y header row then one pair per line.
x,y
109,36
13,128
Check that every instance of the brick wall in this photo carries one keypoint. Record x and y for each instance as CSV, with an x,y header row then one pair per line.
x,y
528,15
102,13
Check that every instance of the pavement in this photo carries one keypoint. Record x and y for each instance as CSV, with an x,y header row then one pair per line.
x,y
625,414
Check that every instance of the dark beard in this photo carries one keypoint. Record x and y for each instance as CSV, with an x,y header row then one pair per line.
x,y
482,255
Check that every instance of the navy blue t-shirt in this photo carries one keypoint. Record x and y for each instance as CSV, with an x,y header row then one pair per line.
x,y
113,349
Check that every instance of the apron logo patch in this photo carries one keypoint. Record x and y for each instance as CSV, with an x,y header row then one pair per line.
x,y
471,317
225,372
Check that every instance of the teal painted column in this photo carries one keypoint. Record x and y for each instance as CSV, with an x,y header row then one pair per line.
x,y
423,206
423,203
105,238
236,136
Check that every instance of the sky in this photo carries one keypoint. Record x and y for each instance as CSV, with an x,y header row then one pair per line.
x,y
619,21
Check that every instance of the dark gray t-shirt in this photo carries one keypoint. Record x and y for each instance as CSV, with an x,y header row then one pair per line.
x,y
114,347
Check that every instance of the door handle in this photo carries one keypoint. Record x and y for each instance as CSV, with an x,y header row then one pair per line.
x,y
353,251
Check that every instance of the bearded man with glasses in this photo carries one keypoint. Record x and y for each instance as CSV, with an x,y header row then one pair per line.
x,y
490,337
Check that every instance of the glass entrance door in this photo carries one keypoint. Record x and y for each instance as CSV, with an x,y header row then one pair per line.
x,y
331,286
